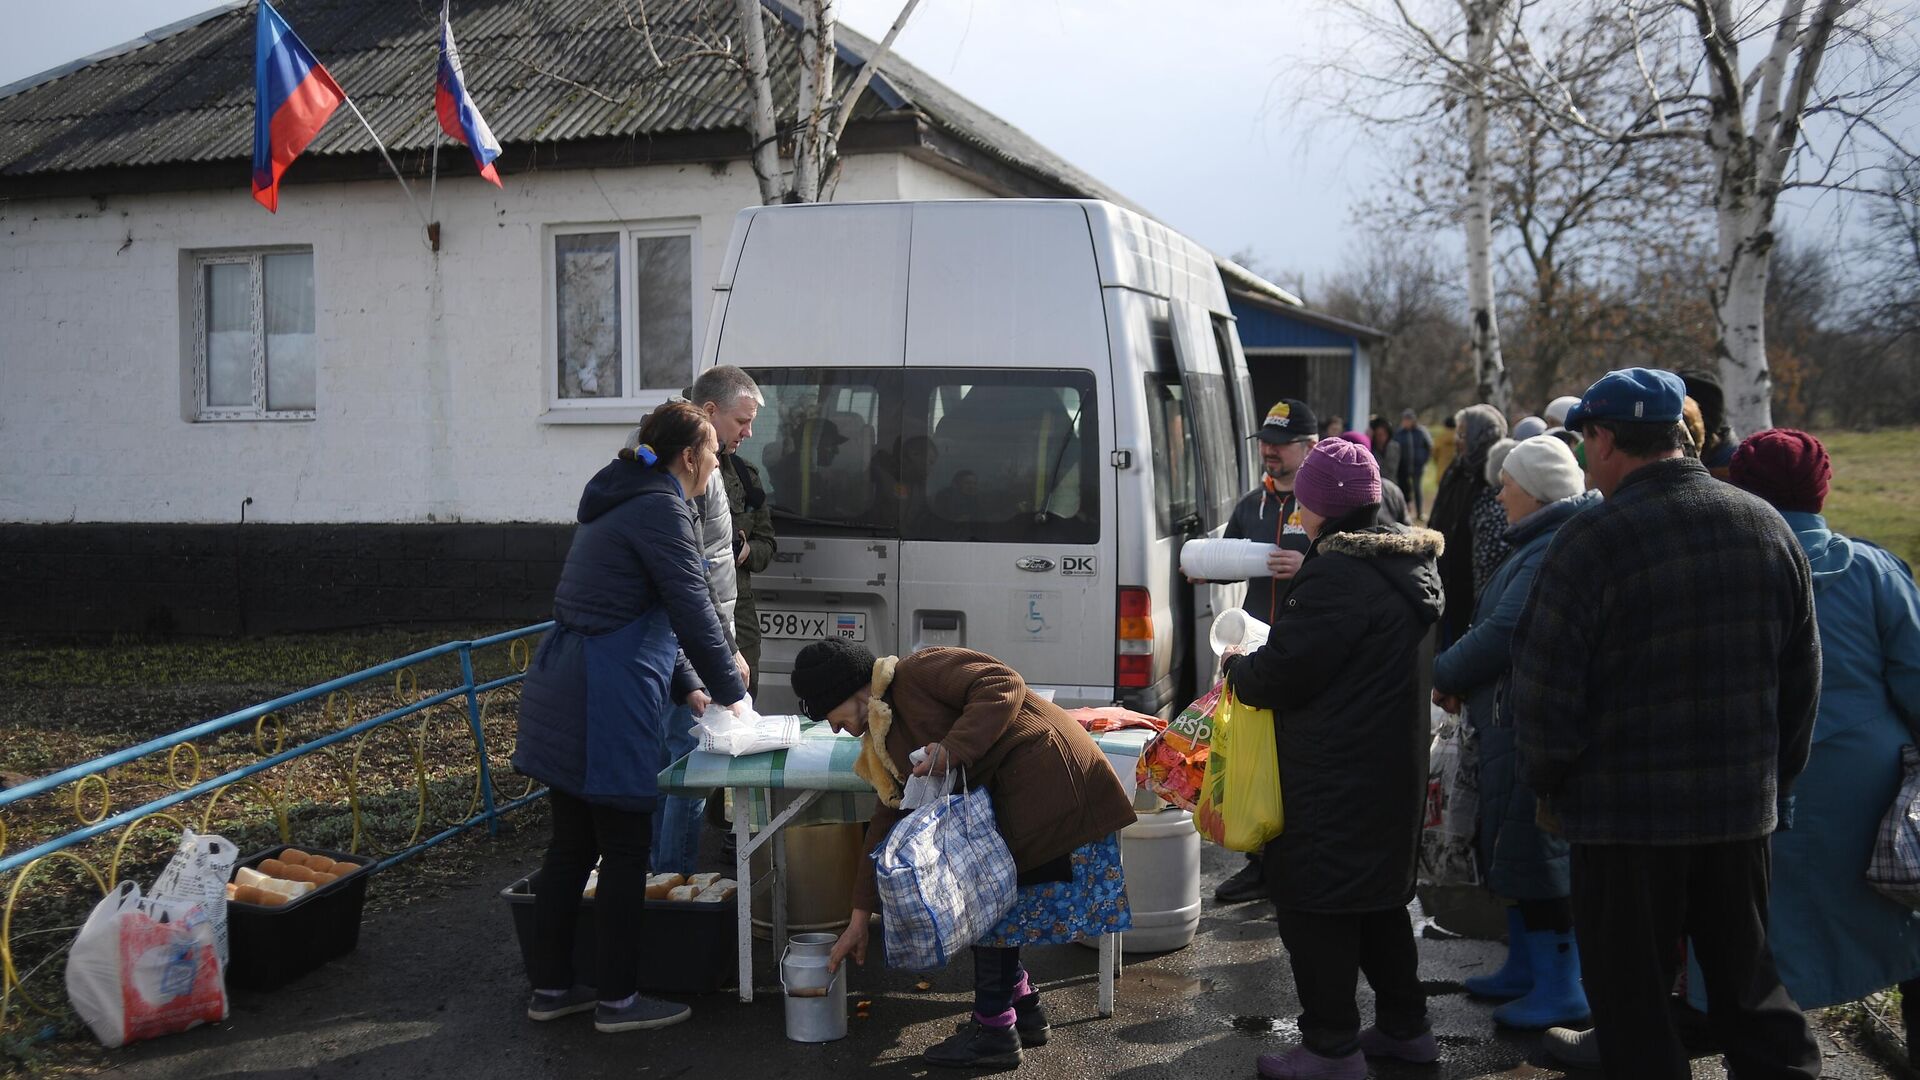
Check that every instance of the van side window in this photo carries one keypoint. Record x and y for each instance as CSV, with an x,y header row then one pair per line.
x,y
1217,444
996,455
1175,483
1240,393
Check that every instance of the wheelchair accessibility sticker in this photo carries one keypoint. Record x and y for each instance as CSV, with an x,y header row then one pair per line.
x,y
1037,615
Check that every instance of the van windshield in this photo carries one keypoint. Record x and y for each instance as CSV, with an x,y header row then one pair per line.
x,y
958,454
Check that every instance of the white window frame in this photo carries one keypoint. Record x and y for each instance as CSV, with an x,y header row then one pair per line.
x,y
618,409
255,258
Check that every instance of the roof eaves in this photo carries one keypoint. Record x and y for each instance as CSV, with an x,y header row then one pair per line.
x,y
1244,280
888,94
148,38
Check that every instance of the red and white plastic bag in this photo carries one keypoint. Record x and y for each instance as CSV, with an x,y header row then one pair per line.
x,y
143,967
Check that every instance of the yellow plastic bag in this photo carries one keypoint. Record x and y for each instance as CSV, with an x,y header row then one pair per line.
x,y
1239,805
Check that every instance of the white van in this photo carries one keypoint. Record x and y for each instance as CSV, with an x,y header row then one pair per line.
x,y
989,424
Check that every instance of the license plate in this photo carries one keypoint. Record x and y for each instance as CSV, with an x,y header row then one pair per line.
x,y
813,625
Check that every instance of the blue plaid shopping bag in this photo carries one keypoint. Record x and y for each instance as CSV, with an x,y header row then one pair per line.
x,y
946,878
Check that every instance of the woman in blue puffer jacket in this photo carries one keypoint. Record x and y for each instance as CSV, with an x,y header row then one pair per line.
x,y
1540,487
1833,937
634,624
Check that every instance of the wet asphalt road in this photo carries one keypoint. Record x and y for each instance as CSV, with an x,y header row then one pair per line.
x,y
437,989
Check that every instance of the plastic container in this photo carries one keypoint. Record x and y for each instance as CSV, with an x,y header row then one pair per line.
x,y
816,1000
1161,854
269,947
1221,559
822,862
686,946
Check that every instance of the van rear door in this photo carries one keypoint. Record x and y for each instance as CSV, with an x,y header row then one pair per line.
x,y
823,337
1007,517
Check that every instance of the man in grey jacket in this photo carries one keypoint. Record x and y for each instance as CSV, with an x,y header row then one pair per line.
x,y
730,399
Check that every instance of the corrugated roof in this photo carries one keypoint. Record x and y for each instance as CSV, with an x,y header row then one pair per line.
x,y
544,71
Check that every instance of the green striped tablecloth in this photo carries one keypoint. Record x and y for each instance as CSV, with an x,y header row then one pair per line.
x,y
824,762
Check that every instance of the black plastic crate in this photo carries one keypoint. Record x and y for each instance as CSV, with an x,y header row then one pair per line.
x,y
268,947
686,946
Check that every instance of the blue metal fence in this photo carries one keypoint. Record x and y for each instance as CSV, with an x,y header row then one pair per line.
x,y
88,780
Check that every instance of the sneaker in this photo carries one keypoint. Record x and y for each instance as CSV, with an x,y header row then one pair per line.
x,y
1301,1063
1249,884
975,1046
1422,1049
545,1006
1029,1022
641,1014
1574,1049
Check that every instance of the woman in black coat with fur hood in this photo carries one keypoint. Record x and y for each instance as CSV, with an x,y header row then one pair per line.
x,y
1344,673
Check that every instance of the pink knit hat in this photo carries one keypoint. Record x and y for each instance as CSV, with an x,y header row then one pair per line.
x,y
1336,478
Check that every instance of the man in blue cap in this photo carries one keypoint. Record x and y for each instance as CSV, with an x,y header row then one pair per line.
x,y
1665,676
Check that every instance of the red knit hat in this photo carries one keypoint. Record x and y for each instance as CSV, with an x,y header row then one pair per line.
x,y
1787,468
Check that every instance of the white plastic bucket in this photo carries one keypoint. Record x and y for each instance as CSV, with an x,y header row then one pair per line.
x,y
1161,854
1234,628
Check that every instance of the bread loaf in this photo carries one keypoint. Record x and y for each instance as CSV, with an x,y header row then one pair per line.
x,y
658,885
718,892
702,881
245,876
682,892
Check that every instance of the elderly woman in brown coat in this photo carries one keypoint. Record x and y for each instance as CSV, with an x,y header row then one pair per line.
x,y
1056,802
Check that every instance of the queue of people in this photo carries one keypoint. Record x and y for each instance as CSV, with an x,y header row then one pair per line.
x,y
1668,780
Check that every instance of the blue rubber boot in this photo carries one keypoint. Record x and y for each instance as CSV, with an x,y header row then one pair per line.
x,y
1515,977
1557,998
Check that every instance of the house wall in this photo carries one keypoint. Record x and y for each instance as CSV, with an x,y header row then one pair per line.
x,y
431,371
118,513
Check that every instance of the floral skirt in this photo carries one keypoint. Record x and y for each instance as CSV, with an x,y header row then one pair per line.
x,y
1059,912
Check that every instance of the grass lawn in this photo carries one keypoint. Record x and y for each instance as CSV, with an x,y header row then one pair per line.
x,y
1875,492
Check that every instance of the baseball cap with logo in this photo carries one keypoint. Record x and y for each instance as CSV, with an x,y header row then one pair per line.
x,y
1633,395
1289,421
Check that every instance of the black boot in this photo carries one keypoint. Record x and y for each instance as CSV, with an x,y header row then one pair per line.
x,y
1030,1022
976,1046
1249,884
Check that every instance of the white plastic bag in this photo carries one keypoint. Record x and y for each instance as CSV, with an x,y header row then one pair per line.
x,y
721,732
1453,808
921,790
143,967
197,874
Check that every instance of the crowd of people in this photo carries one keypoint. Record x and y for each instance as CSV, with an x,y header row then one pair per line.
x,y
1685,698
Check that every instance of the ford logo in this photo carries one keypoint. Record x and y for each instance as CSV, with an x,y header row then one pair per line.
x,y
1034,564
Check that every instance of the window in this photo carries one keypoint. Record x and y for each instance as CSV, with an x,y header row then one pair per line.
x,y
254,352
931,454
622,314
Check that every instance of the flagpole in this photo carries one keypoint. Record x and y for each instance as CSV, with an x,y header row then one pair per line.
x,y
389,160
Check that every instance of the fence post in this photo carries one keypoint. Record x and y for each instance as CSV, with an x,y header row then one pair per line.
x,y
479,738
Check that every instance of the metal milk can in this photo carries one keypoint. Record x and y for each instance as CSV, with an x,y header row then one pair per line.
x,y
816,1001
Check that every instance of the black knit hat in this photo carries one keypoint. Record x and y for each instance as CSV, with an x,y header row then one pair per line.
x,y
828,672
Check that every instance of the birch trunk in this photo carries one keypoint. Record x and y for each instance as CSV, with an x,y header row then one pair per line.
x,y
1490,370
816,92
761,126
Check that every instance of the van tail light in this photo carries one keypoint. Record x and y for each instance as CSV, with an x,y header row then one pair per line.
x,y
1133,639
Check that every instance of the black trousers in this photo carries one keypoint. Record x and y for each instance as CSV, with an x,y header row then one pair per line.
x,y
583,832
1631,905
1327,951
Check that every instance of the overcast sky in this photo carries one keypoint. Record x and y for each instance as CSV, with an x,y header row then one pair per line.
x,y
1183,108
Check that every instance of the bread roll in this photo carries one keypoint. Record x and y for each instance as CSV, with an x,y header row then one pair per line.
x,y
320,864
718,892
667,880
297,873
323,880
702,881
682,892
295,857
273,868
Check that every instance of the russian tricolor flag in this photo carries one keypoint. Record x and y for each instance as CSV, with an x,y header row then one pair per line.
x,y
459,116
292,98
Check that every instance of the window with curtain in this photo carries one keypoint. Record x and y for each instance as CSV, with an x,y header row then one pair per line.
x,y
255,342
622,308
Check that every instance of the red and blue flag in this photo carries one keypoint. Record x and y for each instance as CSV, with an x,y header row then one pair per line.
x,y
292,98
459,116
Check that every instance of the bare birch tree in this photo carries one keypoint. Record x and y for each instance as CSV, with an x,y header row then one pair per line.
x,y
820,111
1753,123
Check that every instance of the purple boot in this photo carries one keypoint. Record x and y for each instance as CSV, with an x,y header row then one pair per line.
x,y
1301,1063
